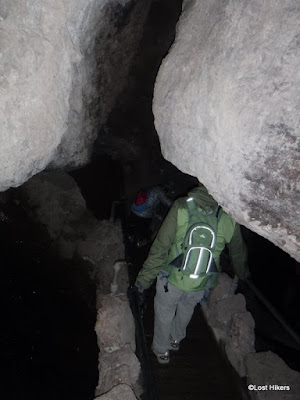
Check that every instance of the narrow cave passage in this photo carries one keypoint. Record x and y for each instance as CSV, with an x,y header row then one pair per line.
x,y
126,157
130,127
130,145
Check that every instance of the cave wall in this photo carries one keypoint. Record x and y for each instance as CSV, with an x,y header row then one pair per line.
x,y
227,105
226,101
60,76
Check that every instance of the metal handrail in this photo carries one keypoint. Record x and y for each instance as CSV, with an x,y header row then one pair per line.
x,y
273,311
142,350
140,338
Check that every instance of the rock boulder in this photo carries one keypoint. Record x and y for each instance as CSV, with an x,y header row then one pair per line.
x,y
227,106
60,76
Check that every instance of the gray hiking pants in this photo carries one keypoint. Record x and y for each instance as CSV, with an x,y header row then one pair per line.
x,y
173,311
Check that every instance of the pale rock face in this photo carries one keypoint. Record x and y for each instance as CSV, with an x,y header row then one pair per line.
x,y
120,366
113,314
227,106
59,78
266,368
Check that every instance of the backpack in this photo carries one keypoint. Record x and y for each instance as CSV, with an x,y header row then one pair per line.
x,y
196,254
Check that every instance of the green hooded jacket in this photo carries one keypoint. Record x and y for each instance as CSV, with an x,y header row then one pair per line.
x,y
171,235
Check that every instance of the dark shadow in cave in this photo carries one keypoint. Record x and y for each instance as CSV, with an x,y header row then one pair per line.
x,y
47,341
101,184
277,277
129,137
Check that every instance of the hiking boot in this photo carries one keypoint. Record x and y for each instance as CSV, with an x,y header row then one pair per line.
x,y
162,358
174,345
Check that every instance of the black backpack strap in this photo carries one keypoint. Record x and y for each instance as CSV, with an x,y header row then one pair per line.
x,y
218,212
206,291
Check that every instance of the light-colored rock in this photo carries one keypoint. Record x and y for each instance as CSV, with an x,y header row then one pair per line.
x,y
231,323
221,312
54,200
222,289
60,76
267,370
115,331
227,106
115,324
118,392
241,341
120,366
242,332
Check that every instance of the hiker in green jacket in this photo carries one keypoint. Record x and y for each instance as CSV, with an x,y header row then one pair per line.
x,y
179,289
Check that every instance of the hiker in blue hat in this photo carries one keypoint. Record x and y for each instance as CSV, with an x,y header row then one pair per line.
x,y
149,206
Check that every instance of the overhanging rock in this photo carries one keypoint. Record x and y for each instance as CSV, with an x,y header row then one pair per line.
x,y
227,106
59,78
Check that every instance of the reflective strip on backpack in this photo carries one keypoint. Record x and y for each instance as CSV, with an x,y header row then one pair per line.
x,y
203,251
204,227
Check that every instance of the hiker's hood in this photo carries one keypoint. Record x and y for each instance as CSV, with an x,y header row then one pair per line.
x,y
203,198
